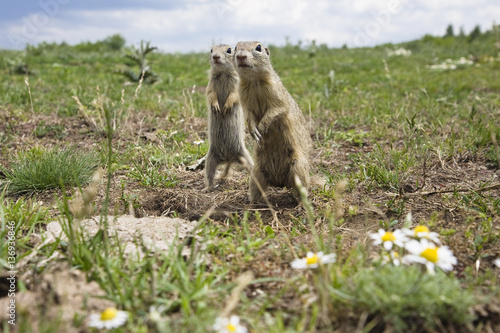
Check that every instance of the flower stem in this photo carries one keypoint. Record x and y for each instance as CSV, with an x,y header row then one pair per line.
x,y
416,283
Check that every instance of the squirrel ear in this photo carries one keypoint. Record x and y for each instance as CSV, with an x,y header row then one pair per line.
x,y
267,51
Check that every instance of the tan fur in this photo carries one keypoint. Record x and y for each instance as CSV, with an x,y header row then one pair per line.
x,y
275,121
226,131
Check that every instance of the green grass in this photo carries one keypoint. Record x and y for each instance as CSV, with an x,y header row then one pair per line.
x,y
381,123
387,168
38,170
19,218
150,174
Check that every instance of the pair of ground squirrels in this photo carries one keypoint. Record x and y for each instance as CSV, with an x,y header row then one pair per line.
x,y
274,119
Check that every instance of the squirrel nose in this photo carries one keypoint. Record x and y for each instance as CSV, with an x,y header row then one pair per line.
x,y
216,57
241,56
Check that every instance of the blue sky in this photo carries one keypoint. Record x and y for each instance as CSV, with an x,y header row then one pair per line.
x,y
194,25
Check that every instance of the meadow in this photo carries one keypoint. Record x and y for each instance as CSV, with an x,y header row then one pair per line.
x,y
404,136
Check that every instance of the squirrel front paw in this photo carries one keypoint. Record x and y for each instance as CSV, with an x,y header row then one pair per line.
x,y
230,101
227,107
256,134
215,108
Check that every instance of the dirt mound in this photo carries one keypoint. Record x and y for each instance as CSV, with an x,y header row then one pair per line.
x,y
230,197
157,233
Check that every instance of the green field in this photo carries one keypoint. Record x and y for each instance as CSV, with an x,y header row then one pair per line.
x,y
402,138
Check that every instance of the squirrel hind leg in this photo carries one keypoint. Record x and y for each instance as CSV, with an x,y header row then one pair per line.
x,y
246,161
258,185
299,179
226,170
210,169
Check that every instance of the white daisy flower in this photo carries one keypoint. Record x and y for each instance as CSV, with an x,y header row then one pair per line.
x,y
229,325
198,142
497,262
388,239
427,253
109,318
391,257
313,260
422,231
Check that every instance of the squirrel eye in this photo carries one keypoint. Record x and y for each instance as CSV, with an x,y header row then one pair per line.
x,y
211,50
235,48
259,48
229,50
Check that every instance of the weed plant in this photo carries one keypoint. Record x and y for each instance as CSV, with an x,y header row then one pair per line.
x,y
38,170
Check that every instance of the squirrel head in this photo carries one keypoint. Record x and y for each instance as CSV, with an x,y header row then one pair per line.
x,y
221,56
251,58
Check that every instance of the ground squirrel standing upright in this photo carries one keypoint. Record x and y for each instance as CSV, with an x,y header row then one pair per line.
x,y
275,121
226,129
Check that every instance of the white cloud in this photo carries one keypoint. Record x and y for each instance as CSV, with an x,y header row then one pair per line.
x,y
195,25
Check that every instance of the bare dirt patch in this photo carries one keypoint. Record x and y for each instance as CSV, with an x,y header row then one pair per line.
x,y
157,233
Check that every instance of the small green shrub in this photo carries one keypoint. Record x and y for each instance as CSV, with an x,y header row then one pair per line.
x,y
138,57
403,295
38,170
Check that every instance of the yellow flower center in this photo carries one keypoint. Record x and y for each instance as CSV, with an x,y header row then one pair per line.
x,y
109,314
388,237
231,328
421,228
430,254
312,260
